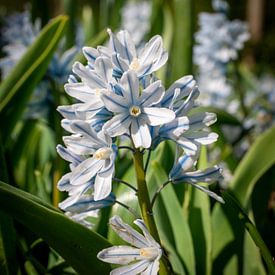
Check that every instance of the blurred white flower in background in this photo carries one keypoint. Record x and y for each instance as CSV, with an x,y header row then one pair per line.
x,y
136,19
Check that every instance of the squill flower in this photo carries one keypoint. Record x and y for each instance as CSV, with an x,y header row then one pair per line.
x,y
135,112
142,257
184,171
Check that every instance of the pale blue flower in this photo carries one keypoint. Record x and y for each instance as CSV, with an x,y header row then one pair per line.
x,y
135,18
188,131
184,171
88,91
98,154
122,51
140,258
135,112
212,54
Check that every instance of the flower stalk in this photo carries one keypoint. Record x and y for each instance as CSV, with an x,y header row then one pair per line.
x,y
145,206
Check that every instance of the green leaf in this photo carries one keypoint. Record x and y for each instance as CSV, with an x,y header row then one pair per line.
x,y
8,263
74,242
233,203
229,238
178,222
181,54
17,88
200,223
256,162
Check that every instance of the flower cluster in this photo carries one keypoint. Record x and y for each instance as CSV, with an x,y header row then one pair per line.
x,y
213,53
119,96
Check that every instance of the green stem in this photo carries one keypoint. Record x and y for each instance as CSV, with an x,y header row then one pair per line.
x,y
249,226
145,206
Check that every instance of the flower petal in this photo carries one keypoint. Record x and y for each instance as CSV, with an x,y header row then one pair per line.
x,y
91,54
152,269
183,164
140,223
202,137
104,68
84,203
114,102
185,84
79,91
123,46
80,145
84,128
208,175
67,155
120,63
86,170
102,187
156,116
175,128
127,233
121,254
152,94
128,43
140,133
152,50
89,77
118,125
131,269
208,192
130,87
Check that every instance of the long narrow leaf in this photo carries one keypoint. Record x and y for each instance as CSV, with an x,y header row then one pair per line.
x,y
75,243
228,240
17,88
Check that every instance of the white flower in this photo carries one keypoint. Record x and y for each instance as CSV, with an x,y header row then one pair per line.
x,y
122,51
145,254
86,142
184,171
134,112
135,19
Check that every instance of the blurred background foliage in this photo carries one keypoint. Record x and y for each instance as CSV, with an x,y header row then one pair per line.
x,y
32,164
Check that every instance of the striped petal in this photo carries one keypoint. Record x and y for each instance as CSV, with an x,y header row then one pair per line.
x,y
130,87
86,170
156,116
140,133
127,233
121,254
152,269
114,102
118,125
152,94
131,269
102,187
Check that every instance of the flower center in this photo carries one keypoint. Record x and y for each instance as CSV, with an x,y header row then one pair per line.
x,y
135,111
134,64
150,252
103,153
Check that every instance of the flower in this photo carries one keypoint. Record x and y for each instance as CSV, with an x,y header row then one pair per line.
x,y
122,51
134,112
81,203
135,18
184,171
145,254
96,154
212,54
187,130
